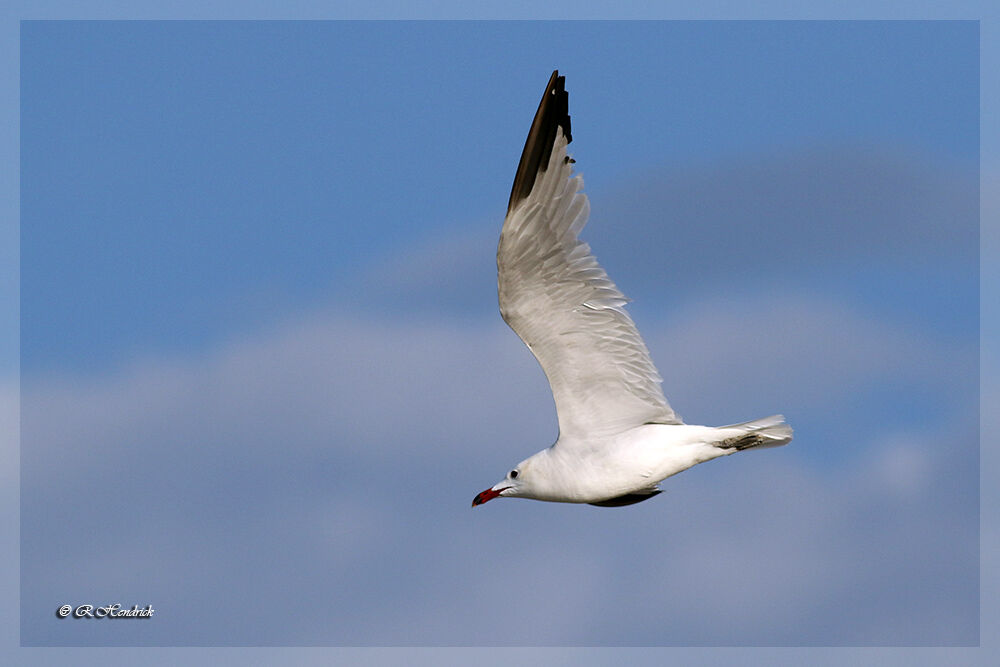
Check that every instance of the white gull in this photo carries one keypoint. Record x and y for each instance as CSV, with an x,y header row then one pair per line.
x,y
618,436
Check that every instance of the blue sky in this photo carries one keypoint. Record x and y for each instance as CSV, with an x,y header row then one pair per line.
x,y
258,301
207,167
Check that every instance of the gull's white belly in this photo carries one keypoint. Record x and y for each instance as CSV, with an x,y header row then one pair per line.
x,y
633,461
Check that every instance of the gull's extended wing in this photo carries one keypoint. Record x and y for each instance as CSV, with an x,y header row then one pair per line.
x,y
559,300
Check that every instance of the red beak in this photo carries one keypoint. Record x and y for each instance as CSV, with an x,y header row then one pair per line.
x,y
488,494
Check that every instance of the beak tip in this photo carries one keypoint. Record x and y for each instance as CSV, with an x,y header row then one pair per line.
x,y
487,495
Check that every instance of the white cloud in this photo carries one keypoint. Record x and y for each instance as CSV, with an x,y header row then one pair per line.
x,y
790,350
335,458
904,463
327,381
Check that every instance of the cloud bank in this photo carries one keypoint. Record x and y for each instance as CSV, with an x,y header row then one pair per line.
x,y
316,477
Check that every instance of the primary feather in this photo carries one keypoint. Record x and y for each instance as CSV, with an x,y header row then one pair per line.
x,y
562,304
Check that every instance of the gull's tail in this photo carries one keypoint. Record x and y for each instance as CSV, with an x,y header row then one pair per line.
x,y
760,433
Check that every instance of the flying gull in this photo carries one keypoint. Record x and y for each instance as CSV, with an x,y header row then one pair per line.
x,y
618,436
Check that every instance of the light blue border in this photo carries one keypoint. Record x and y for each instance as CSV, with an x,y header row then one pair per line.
x,y
14,12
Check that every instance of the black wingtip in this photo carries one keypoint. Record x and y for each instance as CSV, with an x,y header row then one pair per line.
x,y
553,112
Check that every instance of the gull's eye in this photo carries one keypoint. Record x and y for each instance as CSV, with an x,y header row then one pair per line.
x,y
513,474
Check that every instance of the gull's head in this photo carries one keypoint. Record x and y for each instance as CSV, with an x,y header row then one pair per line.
x,y
517,483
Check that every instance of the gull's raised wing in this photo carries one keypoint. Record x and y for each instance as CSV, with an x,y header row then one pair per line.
x,y
559,300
